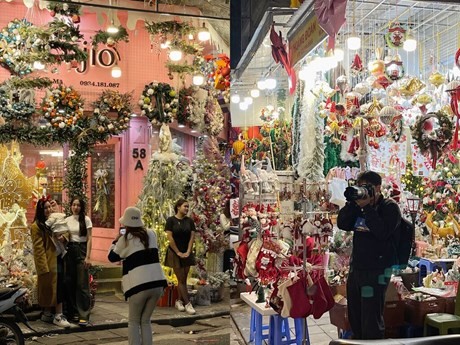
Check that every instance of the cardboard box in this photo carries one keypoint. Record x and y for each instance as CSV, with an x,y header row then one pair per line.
x,y
339,317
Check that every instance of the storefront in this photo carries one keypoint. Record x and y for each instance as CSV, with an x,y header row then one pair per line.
x,y
85,110
334,97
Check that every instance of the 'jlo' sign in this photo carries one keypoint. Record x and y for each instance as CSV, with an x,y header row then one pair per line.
x,y
105,58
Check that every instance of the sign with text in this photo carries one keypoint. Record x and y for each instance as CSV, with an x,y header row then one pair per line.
x,y
305,38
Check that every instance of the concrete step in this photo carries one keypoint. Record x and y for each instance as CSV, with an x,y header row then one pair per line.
x,y
108,279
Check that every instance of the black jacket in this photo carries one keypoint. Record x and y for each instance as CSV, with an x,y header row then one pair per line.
x,y
376,248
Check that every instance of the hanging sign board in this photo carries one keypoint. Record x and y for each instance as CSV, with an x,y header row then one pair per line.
x,y
304,37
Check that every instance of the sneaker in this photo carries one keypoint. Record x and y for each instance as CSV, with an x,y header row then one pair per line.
x,y
189,309
47,317
180,305
83,322
61,321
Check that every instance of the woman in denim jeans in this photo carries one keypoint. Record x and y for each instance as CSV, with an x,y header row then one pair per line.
x,y
78,263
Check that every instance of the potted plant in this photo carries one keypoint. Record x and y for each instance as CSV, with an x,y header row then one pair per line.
x,y
217,283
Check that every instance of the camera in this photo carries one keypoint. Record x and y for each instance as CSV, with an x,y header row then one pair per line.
x,y
359,192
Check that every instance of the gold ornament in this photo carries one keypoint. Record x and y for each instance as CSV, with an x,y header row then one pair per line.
x,y
423,99
410,86
436,79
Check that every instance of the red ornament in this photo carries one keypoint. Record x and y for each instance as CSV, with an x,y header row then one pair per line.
x,y
40,165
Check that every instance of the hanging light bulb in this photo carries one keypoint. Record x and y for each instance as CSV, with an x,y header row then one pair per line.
x,y
339,54
270,83
261,84
235,98
175,54
204,34
248,100
165,45
354,42
198,79
116,71
255,93
112,29
244,106
410,44
190,36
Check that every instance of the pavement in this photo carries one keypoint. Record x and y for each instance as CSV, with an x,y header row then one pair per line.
x,y
111,312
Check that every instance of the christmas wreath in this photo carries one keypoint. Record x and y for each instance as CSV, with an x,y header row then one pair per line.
x,y
432,132
159,102
112,101
62,107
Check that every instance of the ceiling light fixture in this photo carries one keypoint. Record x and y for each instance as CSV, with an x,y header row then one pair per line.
x,y
410,44
354,41
198,79
116,71
270,83
235,98
175,54
204,34
255,93
261,84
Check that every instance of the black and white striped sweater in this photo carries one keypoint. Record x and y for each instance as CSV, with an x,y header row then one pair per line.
x,y
141,267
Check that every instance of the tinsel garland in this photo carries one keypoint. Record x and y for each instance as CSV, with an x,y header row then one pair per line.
x,y
309,136
315,165
296,120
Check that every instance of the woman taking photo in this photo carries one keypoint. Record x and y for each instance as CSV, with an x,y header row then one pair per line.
x,y
180,231
143,278
78,263
49,266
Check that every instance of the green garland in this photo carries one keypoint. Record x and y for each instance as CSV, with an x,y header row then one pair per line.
x,y
76,177
15,83
110,39
159,102
181,68
443,135
170,27
189,48
69,10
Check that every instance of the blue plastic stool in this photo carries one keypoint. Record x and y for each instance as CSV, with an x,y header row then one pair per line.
x,y
427,266
279,329
257,328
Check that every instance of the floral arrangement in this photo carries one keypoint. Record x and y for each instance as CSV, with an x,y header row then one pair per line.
x,y
57,8
112,101
62,107
433,132
159,103
218,279
110,39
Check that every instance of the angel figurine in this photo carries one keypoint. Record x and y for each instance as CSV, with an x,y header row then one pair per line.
x,y
165,143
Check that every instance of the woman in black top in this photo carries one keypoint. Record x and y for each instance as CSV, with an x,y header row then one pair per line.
x,y
180,231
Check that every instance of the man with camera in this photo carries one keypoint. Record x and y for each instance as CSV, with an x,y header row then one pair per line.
x,y
374,220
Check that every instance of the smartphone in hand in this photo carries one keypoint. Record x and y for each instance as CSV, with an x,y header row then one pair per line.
x,y
122,231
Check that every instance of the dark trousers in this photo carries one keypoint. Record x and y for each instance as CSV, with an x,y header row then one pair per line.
x,y
77,281
366,302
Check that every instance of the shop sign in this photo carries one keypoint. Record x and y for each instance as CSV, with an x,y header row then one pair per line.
x,y
105,58
305,38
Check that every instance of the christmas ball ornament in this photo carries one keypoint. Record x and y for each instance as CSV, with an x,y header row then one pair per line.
x,y
362,88
454,84
40,165
342,83
387,114
110,42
